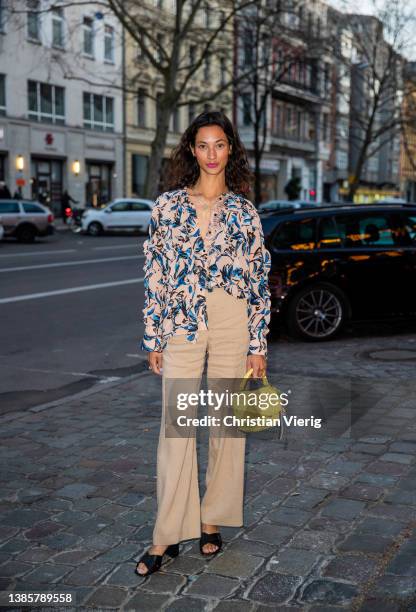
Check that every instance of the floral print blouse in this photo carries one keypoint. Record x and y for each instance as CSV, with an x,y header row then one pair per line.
x,y
180,266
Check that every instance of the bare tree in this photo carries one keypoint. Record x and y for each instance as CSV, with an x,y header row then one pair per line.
x,y
273,39
378,64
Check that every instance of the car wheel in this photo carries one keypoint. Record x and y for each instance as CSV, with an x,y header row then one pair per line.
x,y
317,312
26,233
95,228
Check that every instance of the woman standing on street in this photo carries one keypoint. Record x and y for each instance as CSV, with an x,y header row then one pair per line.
x,y
206,272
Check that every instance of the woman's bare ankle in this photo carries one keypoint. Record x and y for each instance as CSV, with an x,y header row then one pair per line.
x,y
209,528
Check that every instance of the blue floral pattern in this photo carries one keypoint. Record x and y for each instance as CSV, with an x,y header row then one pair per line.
x,y
180,266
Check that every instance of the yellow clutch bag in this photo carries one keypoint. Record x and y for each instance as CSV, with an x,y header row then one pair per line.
x,y
263,402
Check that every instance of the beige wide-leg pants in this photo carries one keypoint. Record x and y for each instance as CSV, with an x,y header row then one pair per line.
x,y
180,511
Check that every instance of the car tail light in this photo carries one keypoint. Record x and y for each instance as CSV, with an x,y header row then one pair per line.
x,y
50,218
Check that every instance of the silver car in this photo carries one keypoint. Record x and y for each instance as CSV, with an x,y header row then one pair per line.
x,y
25,219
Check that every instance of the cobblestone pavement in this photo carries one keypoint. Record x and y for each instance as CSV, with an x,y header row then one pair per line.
x,y
330,520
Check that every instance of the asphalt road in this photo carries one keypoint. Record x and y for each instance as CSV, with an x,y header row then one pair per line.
x,y
70,312
71,317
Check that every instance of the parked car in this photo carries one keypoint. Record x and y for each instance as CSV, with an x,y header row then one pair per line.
x,y
1,230
26,219
338,263
121,214
273,205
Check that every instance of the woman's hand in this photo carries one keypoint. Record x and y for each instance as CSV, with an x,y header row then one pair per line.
x,y
258,363
155,360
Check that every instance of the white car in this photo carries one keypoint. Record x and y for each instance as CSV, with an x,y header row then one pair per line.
x,y
121,214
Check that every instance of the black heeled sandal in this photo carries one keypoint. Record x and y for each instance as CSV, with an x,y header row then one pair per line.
x,y
210,538
154,562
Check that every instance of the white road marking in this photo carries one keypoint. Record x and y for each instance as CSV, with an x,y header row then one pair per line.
x,y
35,296
46,371
39,253
69,263
117,246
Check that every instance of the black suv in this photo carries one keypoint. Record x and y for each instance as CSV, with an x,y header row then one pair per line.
x,y
341,262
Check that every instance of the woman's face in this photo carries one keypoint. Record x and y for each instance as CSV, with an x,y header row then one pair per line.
x,y
212,149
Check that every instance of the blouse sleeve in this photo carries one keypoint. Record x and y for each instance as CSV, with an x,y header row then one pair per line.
x,y
259,301
154,282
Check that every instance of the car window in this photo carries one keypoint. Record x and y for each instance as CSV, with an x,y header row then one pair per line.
x,y
410,228
366,230
120,207
32,208
296,235
139,206
8,207
268,224
328,235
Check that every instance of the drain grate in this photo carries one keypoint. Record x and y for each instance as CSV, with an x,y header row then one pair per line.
x,y
393,354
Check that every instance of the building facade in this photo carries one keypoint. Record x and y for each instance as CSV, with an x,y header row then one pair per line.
x,y
363,57
60,102
144,83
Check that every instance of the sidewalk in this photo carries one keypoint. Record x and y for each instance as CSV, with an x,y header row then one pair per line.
x,y
330,523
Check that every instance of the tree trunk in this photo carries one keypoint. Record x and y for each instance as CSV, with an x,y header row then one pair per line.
x,y
157,152
257,170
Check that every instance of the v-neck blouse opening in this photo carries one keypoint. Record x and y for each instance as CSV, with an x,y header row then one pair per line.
x,y
214,218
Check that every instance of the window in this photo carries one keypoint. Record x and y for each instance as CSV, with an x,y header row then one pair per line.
x,y
248,48
175,120
325,127
2,94
328,236
88,36
296,235
208,15
159,47
141,108
98,112
372,163
342,160
46,102
191,111
7,207
139,206
207,68
277,119
410,229
109,44
327,79
246,109
140,53
366,230
192,54
33,20
139,172
32,208
223,71
57,27
2,16
120,206
157,103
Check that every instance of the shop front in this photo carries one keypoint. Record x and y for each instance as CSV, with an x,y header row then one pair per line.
x,y
269,177
47,181
2,167
98,188
370,195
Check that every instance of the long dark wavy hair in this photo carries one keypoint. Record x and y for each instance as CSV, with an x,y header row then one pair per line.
x,y
183,169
